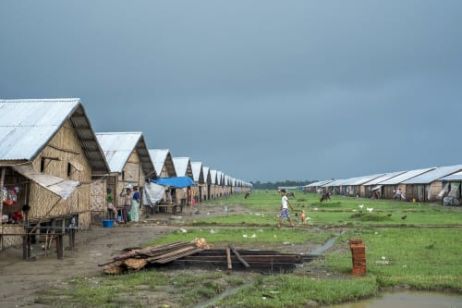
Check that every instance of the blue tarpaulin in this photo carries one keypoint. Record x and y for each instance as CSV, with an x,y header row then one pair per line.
x,y
176,182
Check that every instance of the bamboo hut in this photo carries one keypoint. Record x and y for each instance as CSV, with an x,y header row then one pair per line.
x,y
391,186
207,183
355,187
334,187
213,184
429,186
452,185
48,156
373,189
227,185
163,163
198,177
220,182
129,162
183,168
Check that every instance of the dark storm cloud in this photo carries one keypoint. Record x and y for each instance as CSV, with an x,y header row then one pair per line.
x,y
260,89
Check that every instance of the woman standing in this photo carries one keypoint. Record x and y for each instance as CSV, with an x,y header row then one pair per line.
x,y
135,203
127,197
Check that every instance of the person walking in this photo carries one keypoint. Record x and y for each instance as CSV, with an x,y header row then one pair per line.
x,y
284,214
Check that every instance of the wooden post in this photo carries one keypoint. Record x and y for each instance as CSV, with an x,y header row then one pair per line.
x,y
228,259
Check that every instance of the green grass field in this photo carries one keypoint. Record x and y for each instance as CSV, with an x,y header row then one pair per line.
x,y
414,245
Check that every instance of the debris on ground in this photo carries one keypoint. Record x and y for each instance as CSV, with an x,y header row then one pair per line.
x,y
199,253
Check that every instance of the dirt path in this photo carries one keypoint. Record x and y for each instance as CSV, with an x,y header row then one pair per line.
x,y
20,280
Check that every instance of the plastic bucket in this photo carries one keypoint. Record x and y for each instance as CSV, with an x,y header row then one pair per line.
x,y
108,223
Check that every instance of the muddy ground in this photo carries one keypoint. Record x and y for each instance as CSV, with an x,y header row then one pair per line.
x,y
21,281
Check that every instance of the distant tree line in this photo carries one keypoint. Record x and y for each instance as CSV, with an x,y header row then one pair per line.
x,y
275,185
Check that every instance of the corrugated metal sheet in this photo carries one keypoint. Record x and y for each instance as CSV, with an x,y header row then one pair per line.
x,y
383,178
213,176
434,175
198,175
59,186
206,172
453,177
158,157
364,179
220,177
405,176
319,183
26,126
118,147
182,166
335,183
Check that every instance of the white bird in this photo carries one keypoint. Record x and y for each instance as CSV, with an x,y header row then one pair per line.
x,y
355,210
361,206
315,209
212,231
245,236
384,258
370,209
254,236
183,230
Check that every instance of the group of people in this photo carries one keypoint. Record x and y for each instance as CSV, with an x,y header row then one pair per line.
x,y
130,211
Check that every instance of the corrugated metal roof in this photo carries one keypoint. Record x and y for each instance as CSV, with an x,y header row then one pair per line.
x,y
335,183
158,157
118,146
220,177
405,176
434,175
319,183
213,176
198,175
453,177
363,180
384,177
26,126
206,172
183,166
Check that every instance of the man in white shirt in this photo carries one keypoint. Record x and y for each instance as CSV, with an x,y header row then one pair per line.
x,y
284,214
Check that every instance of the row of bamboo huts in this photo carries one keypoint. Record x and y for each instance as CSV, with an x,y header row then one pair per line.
x,y
55,169
421,185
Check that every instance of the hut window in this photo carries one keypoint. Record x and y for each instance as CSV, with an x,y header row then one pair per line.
x,y
42,164
123,175
69,169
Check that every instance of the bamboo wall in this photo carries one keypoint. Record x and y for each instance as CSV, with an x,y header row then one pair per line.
x,y
9,241
64,146
98,206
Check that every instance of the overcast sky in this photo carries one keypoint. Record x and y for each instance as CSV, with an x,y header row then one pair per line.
x,y
263,90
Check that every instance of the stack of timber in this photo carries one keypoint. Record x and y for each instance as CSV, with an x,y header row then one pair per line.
x,y
137,259
199,254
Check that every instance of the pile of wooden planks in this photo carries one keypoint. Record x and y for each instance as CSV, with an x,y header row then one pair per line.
x,y
199,253
137,259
